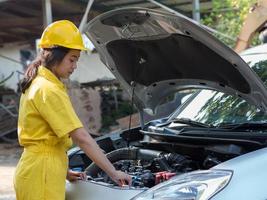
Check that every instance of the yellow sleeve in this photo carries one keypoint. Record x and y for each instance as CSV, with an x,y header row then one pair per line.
x,y
55,107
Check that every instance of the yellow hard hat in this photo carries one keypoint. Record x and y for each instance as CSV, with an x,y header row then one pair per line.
x,y
62,33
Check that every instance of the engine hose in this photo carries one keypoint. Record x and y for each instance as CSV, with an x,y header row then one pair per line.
x,y
124,154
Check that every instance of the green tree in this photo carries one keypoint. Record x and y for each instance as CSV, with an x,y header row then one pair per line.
x,y
227,16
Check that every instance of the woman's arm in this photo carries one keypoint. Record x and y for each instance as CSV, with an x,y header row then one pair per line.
x,y
83,139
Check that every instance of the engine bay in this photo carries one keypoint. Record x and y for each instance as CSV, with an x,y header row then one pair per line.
x,y
147,167
158,156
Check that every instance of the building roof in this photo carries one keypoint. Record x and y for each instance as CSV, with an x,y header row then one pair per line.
x,y
22,21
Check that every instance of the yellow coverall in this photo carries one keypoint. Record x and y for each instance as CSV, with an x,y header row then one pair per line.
x,y
46,116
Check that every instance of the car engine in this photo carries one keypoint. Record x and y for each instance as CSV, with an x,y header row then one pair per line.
x,y
156,155
151,167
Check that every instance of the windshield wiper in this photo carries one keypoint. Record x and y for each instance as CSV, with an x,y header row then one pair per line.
x,y
244,126
191,122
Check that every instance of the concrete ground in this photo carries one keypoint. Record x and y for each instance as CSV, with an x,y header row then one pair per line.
x,y
9,156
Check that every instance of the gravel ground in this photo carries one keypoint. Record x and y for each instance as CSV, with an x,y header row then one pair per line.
x,y
9,156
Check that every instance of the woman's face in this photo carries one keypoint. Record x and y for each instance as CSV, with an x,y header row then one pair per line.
x,y
67,65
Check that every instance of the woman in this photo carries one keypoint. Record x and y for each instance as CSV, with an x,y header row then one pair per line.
x,y
47,123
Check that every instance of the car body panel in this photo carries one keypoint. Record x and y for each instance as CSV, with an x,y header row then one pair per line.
x,y
84,190
154,54
249,177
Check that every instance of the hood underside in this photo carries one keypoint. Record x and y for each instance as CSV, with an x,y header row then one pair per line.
x,y
154,54
152,61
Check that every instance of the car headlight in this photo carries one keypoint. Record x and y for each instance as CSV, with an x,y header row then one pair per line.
x,y
198,185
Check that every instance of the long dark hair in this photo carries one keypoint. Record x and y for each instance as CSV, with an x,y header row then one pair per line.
x,y
47,58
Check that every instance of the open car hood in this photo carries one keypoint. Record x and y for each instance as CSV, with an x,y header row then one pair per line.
x,y
154,54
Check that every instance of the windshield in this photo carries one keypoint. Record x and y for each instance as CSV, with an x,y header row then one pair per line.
x,y
214,108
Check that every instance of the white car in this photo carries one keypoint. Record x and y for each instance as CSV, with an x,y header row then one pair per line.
x,y
213,146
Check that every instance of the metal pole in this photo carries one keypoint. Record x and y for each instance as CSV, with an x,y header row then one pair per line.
x,y
47,12
179,14
141,118
196,10
85,16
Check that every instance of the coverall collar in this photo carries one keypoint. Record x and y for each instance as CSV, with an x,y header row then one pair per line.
x,y
47,74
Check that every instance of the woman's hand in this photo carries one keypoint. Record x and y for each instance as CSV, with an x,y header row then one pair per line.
x,y
121,178
89,146
74,176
